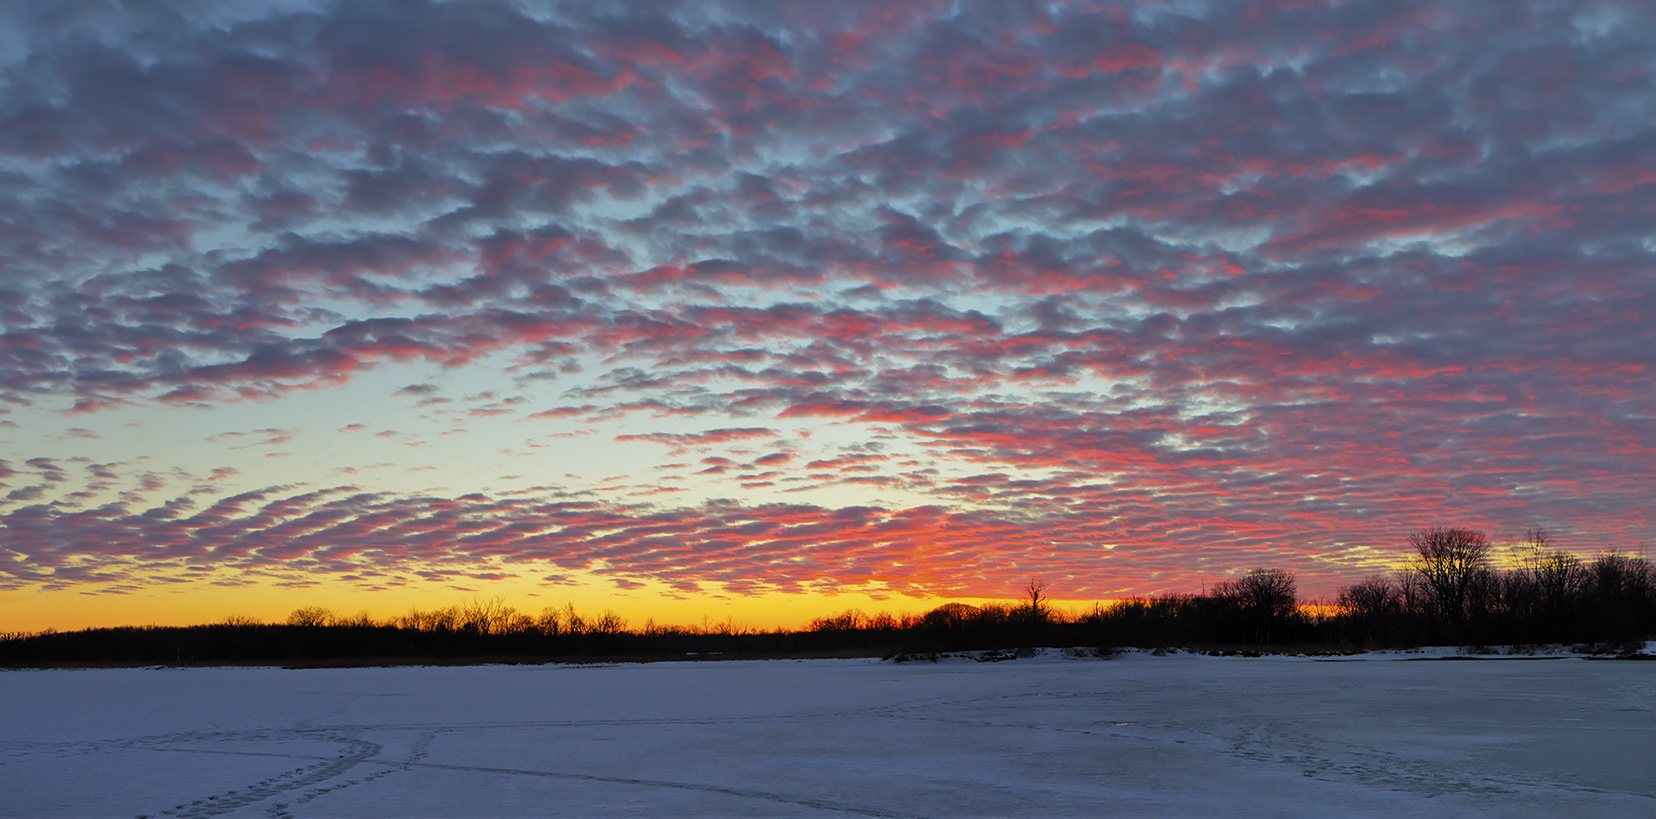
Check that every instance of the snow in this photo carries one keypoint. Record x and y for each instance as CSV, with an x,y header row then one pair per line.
x,y
1052,735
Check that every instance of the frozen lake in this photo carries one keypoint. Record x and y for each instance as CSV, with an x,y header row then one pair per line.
x,y
1134,736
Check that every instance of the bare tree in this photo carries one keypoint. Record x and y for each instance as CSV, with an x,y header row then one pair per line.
x,y
481,616
1411,592
949,615
1539,539
849,620
607,623
573,622
550,621
1035,593
444,619
1371,607
1451,563
1269,592
1370,597
1262,599
361,619
1559,579
1623,596
311,616
1619,575
516,622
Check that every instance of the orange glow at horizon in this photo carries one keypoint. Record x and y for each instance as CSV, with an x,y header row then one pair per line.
x,y
31,612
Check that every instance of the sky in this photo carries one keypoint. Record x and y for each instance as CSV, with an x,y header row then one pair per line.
x,y
763,310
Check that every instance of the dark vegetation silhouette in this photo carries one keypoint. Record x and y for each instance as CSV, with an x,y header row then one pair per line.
x,y
1452,595
1448,594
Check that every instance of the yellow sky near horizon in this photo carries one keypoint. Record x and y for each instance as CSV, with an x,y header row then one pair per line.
x,y
69,610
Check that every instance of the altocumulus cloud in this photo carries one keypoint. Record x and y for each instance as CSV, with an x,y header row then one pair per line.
x,y
1122,288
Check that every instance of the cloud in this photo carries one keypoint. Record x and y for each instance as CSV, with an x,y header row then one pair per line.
x,y
681,442
1306,260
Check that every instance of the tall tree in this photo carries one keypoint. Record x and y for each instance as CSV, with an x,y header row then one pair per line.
x,y
1264,599
1036,609
1450,562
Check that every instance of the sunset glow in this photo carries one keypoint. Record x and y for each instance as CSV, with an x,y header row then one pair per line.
x,y
764,311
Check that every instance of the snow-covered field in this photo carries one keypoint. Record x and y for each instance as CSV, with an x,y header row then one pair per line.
x,y
1138,735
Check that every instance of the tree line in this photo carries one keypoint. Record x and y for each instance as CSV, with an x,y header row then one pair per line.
x,y
1449,593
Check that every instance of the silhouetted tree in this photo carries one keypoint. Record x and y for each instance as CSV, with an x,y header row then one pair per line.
x,y
1269,592
608,623
883,621
1560,580
573,622
1453,567
1370,607
1521,597
1623,598
549,622
484,616
1262,600
362,619
949,615
1036,611
311,616
848,620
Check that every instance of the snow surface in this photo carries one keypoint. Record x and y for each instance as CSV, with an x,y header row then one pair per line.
x,y
1138,735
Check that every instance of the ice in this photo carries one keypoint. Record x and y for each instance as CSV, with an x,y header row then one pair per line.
x,y
1138,735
